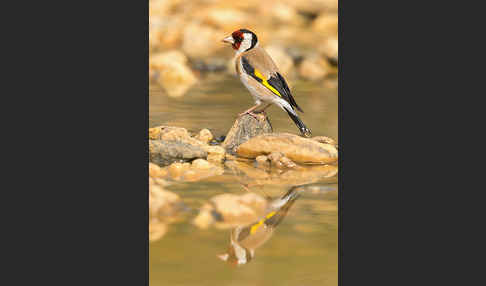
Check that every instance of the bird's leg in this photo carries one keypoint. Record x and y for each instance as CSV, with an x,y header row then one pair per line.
x,y
263,109
249,111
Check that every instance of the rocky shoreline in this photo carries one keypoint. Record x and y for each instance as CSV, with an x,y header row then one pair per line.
x,y
251,153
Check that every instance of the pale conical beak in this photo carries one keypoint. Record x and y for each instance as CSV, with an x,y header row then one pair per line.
x,y
228,39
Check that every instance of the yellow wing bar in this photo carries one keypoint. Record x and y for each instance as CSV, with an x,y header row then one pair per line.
x,y
265,83
255,227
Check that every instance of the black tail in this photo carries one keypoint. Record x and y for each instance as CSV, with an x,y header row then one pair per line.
x,y
303,129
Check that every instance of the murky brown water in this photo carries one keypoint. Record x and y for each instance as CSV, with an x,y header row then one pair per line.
x,y
303,249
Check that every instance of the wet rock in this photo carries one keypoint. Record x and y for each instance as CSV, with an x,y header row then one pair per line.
x,y
283,61
201,169
163,152
168,133
156,172
296,148
204,136
275,156
163,205
244,128
171,133
287,163
201,164
157,230
262,161
198,170
314,67
277,177
324,139
231,210
176,170
216,154
174,75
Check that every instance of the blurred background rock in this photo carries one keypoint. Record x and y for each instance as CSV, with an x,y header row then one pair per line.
x,y
185,38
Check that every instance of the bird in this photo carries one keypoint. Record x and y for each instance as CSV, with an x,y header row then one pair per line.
x,y
261,76
245,239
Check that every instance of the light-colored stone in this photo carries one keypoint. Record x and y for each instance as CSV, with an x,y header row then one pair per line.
x,y
204,136
174,75
314,68
326,24
324,139
244,128
225,18
156,172
201,164
177,169
216,154
296,148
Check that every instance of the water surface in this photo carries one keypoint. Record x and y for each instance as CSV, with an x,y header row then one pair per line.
x,y
303,249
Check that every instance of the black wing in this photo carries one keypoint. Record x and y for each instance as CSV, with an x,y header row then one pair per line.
x,y
276,82
279,83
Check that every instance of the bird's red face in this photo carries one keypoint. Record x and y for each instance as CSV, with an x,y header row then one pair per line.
x,y
238,37
235,39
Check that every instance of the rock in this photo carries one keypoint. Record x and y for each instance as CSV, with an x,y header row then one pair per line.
x,y
283,61
204,136
156,172
165,152
200,164
225,18
232,210
244,128
200,41
314,68
174,75
216,154
204,219
177,169
157,230
262,161
324,139
296,148
198,170
163,205
326,24
314,6
275,156
281,13
170,133
276,177
330,49
160,61
164,32
287,163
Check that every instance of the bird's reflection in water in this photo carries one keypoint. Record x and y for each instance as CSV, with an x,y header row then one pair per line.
x,y
244,240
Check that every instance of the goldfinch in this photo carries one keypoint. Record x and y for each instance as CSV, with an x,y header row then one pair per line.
x,y
245,239
261,77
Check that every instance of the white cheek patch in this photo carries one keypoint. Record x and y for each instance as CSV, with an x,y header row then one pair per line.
x,y
246,43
